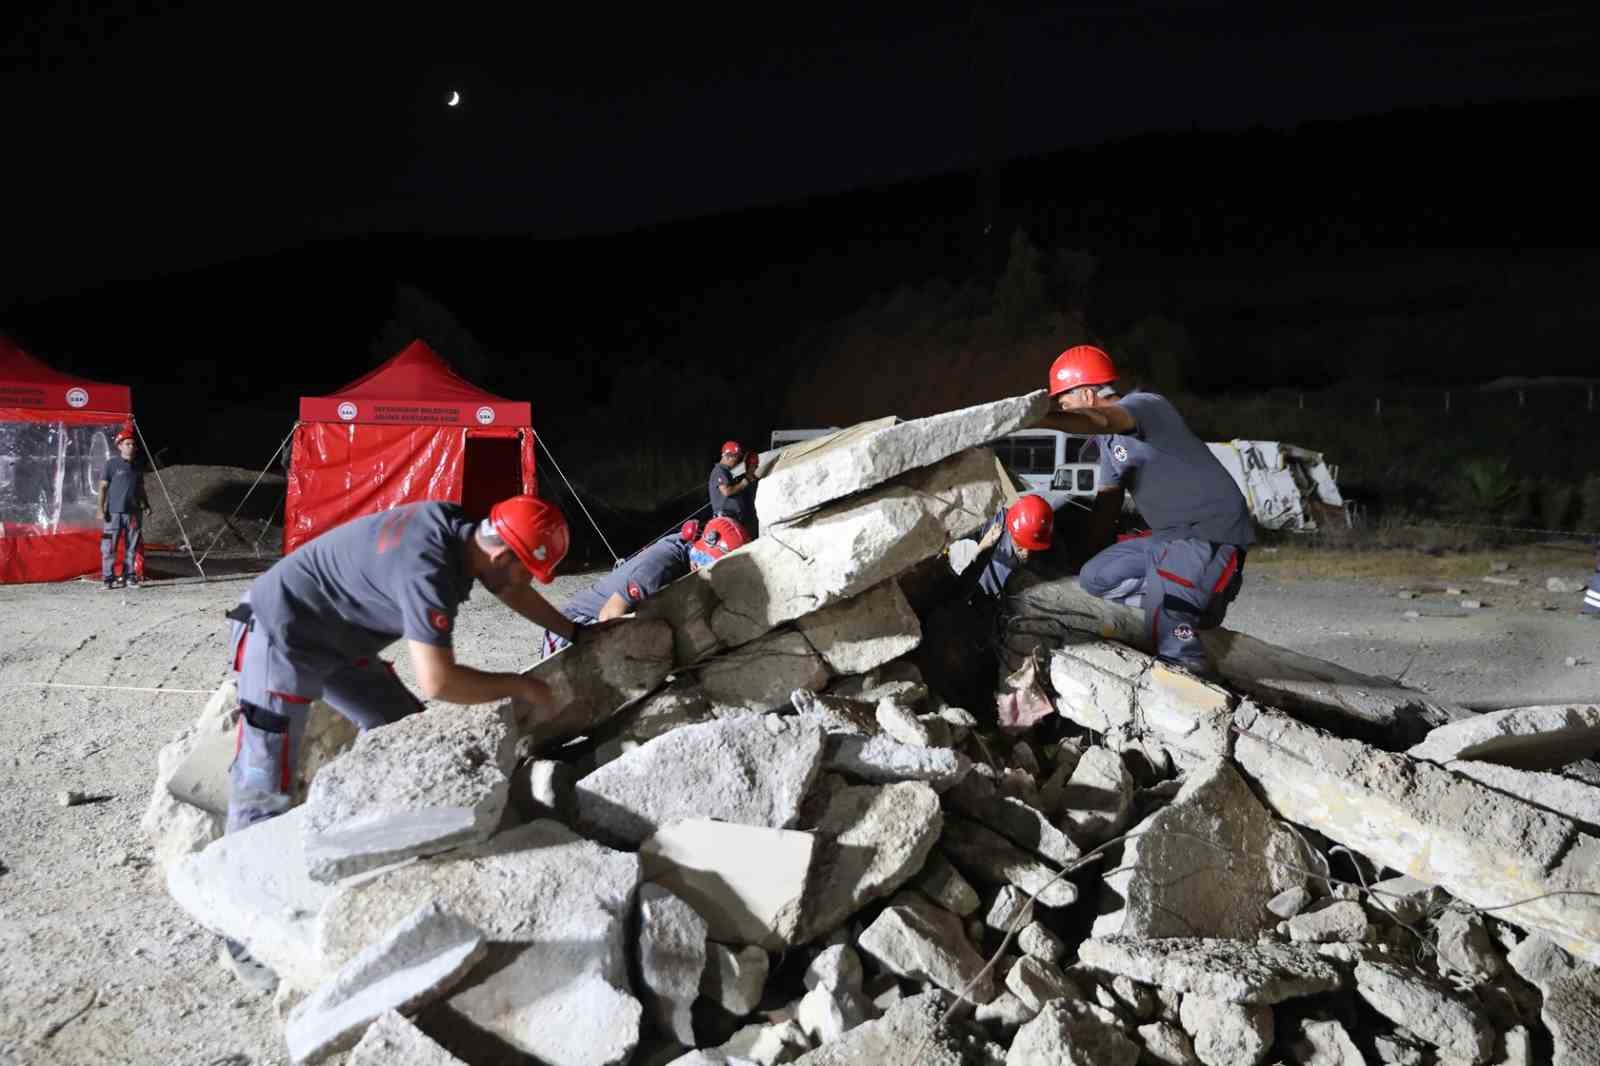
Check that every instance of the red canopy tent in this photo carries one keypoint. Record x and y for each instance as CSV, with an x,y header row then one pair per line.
x,y
55,437
410,430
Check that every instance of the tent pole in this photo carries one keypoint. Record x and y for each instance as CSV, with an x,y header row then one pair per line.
x,y
182,532
540,438
274,458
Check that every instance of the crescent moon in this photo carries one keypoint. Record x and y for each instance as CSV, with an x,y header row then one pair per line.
x,y
455,98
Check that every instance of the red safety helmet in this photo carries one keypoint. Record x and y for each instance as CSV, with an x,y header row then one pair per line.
x,y
125,433
1080,366
1030,521
535,531
732,447
721,536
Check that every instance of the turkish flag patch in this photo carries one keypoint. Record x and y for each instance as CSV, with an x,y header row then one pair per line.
x,y
439,620
635,593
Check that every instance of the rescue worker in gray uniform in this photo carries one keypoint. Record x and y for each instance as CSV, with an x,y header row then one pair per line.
x,y
1191,567
735,497
1007,545
122,504
312,627
652,569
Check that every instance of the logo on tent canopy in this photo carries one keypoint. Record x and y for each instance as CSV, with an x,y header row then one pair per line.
x,y
77,397
485,415
347,411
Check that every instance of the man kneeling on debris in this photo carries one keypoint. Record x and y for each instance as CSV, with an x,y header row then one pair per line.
x,y
312,627
654,568
1188,571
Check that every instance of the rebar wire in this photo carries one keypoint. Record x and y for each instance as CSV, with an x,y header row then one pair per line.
x,y
551,456
275,453
182,532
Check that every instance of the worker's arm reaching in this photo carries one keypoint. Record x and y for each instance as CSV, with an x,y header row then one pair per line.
x,y
442,678
526,601
1089,421
615,607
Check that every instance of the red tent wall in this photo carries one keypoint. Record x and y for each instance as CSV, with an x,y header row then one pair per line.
x,y
53,535
397,435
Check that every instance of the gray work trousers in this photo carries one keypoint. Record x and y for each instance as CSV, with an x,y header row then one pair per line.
x,y
128,526
1185,585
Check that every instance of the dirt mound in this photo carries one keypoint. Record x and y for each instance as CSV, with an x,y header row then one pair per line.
x,y
205,497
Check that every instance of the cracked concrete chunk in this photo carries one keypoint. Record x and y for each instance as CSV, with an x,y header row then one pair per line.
x,y
1341,921
416,962
911,1023
760,676
915,939
1216,969
1208,864
1166,1044
1004,1015
864,632
1428,1008
1529,738
422,785
1226,1034
1538,961
394,1041
736,770
901,724
943,884
1072,1033
1041,943
858,458
672,957
871,840
1571,1012
827,1013
883,760
1464,946
1325,1043
734,979
1098,799
1012,818
1036,983
747,882
988,856
590,682
1566,796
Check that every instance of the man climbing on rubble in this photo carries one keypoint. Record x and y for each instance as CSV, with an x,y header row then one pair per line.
x,y
733,497
654,568
1190,568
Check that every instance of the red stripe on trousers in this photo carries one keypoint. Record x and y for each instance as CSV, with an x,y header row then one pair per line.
x,y
1170,576
1227,573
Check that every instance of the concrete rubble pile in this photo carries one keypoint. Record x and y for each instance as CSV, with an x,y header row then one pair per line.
x,y
754,832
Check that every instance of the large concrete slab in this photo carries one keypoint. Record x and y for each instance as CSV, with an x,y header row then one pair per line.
x,y
619,662
851,462
753,770
1529,738
863,632
424,784
747,882
760,676
1481,846
1230,970
1429,1008
252,886
1566,796
415,963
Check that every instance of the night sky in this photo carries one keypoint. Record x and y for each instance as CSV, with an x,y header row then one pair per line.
x,y
147,137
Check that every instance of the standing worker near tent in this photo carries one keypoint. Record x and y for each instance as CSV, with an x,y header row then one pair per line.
x,y
655,567
733,497
1191,568
122,507
312,627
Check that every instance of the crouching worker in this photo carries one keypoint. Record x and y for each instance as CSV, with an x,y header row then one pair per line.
x,y
1008,543
648,572
312,627
1190,568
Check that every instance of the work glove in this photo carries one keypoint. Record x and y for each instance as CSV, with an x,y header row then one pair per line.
x,y
752,465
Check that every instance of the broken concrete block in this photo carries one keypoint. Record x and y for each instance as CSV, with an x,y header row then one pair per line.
x,y
1431,1010
861,457
1072,1033
1095,682
765,1045
1406,899
679,704
1036,983
686,606
1231,970
1571,1011
883,760
871,840
915,939
173,824
672,957
419,786
901,724
747,882
1325,1043
859,634
836,966
943,884
1166,1044
848,547
1226,1034
1208,864
751,770
1013,819
417,961
988,856
252,886
591,681
1289,902
393,1041
1528,738
1004,1015
1098,800
909,1024
1464,946
734,979
1566,796
1008,906
555,908
1480,846
1341,921
827,1013
759,676
837,714
1538,961
1041,943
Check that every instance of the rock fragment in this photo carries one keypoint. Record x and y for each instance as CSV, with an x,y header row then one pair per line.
x,y
734,979
747,882
1098,799
1529,738
884,760
393,1041
1341,921
1433,1011
1072,1032
1226,1034
986,855
943,884
864,632
672,958
1231,970
914,939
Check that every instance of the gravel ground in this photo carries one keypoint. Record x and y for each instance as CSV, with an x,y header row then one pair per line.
x,y
98,966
